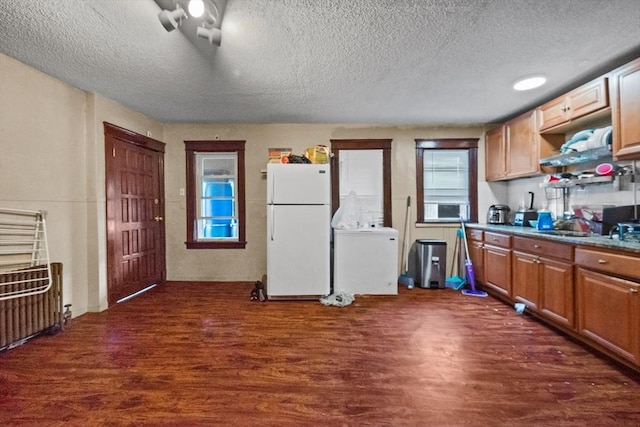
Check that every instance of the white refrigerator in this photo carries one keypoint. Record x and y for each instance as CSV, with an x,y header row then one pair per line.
x,y
298,230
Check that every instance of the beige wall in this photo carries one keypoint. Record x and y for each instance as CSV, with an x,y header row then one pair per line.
x,y
249,264
52,158
42,159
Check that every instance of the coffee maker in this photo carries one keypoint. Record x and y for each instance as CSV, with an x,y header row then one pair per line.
x,y
524,215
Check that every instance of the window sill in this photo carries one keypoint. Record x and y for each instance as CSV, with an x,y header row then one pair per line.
x,y
440,224
216,245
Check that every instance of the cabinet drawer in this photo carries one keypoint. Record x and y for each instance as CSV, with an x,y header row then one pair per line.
x,y
475,234
543,248
497,239
616,264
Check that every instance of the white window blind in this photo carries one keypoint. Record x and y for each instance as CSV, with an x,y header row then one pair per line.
x,y
446,184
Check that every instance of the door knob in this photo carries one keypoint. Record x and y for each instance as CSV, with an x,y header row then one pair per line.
x,y
158,218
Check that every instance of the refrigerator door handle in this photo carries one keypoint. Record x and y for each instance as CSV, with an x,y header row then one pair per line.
x,y
273,223
273,189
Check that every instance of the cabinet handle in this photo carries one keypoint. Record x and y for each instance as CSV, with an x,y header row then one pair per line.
x,y
536,246
536,261
602,261
494,239
633,291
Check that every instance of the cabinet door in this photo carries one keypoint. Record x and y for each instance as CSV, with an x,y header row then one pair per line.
x,y
608,312
580,102
522,146
553,113
587,99
525,284
495,166
497,269
556,291
625,101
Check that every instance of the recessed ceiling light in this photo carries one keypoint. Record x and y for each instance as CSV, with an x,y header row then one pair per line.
x,y
529,83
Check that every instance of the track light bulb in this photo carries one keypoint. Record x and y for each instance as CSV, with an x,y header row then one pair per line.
x,y
196,8
170,20
214,35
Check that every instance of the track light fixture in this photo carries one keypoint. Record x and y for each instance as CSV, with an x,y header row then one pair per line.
x,y
170,20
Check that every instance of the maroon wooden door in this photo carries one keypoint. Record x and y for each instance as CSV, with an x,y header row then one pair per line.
x,y
135,212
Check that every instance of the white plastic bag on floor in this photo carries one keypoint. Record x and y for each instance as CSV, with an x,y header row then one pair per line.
x,y
339,300
349,214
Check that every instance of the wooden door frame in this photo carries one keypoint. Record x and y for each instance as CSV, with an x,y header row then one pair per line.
x,y
142,141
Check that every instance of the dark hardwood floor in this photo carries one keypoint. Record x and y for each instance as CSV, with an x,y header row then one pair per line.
x,y
204,354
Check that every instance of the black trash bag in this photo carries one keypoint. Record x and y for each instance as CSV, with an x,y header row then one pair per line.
x,y
293,158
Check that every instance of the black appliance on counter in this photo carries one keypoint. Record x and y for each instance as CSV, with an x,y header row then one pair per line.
x,y
498,214
524,215
611,217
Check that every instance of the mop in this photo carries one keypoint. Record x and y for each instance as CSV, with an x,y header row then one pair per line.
x,y
471,277
405,278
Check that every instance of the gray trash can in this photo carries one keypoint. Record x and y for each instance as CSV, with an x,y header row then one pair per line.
x,y
428,263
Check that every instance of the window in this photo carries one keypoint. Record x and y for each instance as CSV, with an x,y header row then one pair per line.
x,y
364,166
447,180
215,194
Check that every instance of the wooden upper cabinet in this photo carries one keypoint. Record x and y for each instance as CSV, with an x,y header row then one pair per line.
x,y
495,159
586,99
514,149
625,111
522,146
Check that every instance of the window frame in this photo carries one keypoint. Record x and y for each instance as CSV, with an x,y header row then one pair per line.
x,y
469,144
191,148
362,144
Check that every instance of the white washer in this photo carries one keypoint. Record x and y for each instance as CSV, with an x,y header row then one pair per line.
x,y
365,261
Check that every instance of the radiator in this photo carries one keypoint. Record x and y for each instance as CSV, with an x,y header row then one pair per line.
x,y
24,317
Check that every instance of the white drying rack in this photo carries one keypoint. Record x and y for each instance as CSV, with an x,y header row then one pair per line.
x,y
24,254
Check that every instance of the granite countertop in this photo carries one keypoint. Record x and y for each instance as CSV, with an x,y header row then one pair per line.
x,y
594,240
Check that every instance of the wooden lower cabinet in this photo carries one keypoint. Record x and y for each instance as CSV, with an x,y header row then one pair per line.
x,y
543,278
497,269
590,293
557,292
544,285
608,312
525,285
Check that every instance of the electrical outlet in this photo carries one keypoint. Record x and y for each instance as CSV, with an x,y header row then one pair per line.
x,y
182,191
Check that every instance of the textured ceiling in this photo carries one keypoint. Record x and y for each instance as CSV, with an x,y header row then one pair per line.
x,y
404,62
